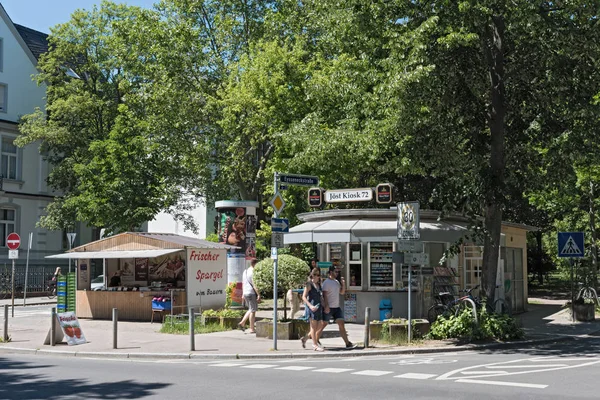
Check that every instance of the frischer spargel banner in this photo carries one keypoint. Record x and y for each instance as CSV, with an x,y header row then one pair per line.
x,y
206,277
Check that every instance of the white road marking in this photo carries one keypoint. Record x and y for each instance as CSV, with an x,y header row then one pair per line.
x,y
412,375
227,365
483,372
528,366
259,366
333,370
500,383
372,372
295,368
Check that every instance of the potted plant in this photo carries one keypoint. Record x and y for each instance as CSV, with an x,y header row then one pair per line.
x,y
285,329
375,330
584,310
230,318
210,317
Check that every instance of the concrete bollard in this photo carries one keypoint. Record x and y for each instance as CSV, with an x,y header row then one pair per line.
x,y
5,323
192,337
367,322
115,319
53,327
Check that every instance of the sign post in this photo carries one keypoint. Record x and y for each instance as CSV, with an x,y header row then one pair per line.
x,y
408,229
13,241
571,245
27,267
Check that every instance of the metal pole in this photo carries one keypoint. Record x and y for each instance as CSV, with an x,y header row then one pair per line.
x,y
115,319
27,268
192,337
367,322
572,293
409,303
12,295
53,327
274,251
5,323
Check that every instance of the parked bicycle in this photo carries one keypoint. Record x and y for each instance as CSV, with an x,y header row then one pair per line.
x,y
448,305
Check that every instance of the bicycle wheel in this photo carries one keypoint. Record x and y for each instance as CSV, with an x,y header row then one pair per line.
x,y
51,292
434,312
502,308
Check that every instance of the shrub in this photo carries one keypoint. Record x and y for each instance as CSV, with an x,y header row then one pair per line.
x,y
225,313
291,273
462,326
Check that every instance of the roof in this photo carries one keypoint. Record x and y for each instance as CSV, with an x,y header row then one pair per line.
x,y
129,241
36,41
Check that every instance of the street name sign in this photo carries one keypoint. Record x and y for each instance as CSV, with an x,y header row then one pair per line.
x,y
299,180
570,244
280,225
348,195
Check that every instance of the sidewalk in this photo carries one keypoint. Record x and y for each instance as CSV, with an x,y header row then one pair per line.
x,y
542,323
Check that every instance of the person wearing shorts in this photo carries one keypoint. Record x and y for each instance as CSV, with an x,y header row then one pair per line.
x,y
251,297
315,302
332,289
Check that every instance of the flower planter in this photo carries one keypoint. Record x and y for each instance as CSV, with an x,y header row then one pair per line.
x,y
301,328
285,330
230,322
584,312
375,330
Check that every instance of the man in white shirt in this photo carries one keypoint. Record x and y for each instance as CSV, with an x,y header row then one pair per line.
x,y
251,296
332,289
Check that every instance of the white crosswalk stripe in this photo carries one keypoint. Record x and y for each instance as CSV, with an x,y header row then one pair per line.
x,y
333,370
412,375
371,372
259,366
295,368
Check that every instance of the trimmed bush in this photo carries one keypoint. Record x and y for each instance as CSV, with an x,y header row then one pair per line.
x,y
292,273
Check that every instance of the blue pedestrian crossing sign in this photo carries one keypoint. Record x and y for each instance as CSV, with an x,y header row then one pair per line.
x,y
570,244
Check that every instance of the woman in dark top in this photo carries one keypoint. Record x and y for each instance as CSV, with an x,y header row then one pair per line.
x,y
315,302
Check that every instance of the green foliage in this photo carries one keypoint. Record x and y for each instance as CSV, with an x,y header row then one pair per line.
x,y
212,237
182,326
225,313
491,326
228,292
291,274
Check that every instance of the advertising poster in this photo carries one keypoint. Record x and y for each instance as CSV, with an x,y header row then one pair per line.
x,y
350,308
141,269
127,268
232,228
170,267
69,324
207,277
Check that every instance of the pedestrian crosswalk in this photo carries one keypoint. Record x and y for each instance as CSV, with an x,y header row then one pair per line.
x,y
366,372
21,312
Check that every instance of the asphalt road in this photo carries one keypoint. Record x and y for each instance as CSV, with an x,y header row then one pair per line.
x,y
566,370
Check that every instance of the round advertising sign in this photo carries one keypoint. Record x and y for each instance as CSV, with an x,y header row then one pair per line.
x,y
13,241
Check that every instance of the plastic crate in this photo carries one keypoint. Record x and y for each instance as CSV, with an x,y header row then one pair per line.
x,y
161,305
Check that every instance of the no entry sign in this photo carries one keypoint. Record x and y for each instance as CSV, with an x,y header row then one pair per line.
x,y
13,241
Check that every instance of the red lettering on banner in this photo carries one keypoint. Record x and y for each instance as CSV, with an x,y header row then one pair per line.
x,y
203,256
211,276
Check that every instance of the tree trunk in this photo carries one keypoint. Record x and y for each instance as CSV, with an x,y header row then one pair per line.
x,y
494,193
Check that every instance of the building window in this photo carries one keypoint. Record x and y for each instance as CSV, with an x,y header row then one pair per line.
x,y
3,97
7,223
1,55
8,161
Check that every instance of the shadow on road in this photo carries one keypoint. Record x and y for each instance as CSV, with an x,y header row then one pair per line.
x,y
19,383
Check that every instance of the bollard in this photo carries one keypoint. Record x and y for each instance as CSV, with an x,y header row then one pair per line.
x,y
53,327
367,323
115,316
192,338
5,323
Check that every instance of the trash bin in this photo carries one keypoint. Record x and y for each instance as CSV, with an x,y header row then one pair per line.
x,y
385,309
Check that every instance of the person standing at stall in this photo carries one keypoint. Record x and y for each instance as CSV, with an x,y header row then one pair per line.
x,y
332,289
251,297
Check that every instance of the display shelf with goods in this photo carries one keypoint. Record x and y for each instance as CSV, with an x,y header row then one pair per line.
x,y
354,277
445,280
381,267
336,257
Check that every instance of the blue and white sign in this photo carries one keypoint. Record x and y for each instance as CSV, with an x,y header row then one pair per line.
x,y
274,253
570,244
280,225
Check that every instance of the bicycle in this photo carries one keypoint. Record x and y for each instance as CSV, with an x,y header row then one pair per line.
x,y
51,289
447,305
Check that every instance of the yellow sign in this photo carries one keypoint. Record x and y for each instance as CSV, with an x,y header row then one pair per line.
x,y
278,203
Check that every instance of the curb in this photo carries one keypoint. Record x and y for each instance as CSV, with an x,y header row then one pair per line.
x,y
286,354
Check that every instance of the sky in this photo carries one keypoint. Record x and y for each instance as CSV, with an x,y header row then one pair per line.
x,y
42,14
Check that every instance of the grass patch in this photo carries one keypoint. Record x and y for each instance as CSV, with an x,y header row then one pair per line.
x,y
182,327
2,340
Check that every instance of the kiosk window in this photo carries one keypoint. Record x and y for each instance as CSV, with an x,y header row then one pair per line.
x,y
354,278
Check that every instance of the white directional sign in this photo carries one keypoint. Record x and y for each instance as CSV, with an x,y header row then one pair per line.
x,y
280,225
348,195
408,221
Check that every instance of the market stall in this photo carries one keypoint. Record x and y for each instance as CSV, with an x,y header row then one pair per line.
x,y
140,268
363,244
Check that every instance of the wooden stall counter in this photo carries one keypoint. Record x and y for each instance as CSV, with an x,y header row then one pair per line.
x,y
132,306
